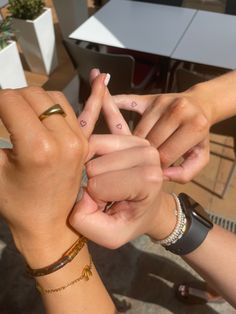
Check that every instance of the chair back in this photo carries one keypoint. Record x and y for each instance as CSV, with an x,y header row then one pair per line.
x,y
71,14
121,67
185,78
230,7
177,3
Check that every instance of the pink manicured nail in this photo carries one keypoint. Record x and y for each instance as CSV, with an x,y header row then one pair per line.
x,y
107,79
95,72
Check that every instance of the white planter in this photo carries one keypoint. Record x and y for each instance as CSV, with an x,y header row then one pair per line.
x,y
11,71
37,41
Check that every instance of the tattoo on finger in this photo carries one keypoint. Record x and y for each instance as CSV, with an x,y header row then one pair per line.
x,y
133,104
119,126
83,123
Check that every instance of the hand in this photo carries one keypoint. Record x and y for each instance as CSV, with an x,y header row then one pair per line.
x,y
41,173
128,174
177,125
115,121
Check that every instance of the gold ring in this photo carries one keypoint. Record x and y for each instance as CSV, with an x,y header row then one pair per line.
x,y
55,109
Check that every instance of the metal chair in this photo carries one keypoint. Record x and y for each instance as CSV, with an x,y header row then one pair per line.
x,y
120,66
177,3
230,7
184,79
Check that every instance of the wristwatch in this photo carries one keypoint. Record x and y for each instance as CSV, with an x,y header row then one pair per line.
x,y
197,228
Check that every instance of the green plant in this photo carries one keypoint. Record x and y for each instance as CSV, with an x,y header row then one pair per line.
x,y
26,9
5,33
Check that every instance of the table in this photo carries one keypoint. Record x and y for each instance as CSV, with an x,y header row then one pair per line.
x,y
145,27
210,39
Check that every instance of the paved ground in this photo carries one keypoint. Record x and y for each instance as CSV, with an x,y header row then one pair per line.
x,y
140,276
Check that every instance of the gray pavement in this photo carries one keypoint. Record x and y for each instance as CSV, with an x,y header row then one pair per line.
x,y
140,277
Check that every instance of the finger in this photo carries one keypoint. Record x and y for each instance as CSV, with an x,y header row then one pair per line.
x,y
93,74
190,167
115,121
89,116
39,100
105,144
152,118
111,230
124,159
126,184
71,119
180,142
133,102
113,116
19,119
156,126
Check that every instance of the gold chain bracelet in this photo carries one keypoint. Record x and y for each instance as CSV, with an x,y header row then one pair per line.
x,y
86,274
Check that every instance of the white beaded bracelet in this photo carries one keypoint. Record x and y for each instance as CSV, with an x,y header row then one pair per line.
x,y
180,226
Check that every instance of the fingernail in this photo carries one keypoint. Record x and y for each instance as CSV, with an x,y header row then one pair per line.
x,y
96,72
107,79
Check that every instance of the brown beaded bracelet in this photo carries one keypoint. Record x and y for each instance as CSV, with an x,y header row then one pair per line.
x,y
67,257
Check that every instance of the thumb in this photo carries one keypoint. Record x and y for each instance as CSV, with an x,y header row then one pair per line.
x,y
87,219
189,168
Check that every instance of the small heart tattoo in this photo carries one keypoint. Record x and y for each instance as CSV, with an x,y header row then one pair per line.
x,y
83,123
119,126
134,104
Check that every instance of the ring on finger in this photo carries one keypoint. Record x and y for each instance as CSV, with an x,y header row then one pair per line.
x,y
55,109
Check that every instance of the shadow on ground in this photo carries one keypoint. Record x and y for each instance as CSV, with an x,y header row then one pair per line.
x,y
128,272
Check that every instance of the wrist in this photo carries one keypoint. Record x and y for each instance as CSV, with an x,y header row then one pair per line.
x,y
202,97
165,220
45,247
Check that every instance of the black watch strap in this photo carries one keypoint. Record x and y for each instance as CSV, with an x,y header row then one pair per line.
x,y
198,226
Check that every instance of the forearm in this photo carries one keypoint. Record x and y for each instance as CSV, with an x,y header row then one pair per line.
x,y
215,261
83,296
217,96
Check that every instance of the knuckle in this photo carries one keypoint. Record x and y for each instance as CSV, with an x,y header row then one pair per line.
x,y
34,90
200,123
9,96
151,153
152,174
75,147
180,107
43,152
8,92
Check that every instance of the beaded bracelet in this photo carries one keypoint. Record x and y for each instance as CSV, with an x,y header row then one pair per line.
x,y
67,257
180,226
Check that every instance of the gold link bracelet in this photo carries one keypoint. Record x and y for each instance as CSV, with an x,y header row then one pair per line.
x,y
86,274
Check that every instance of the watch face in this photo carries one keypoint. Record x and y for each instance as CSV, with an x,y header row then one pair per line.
x,y
195,209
